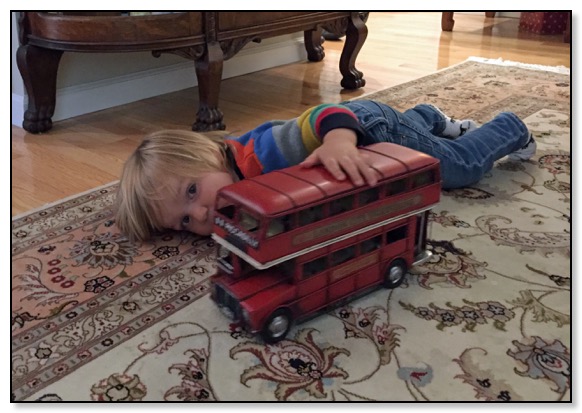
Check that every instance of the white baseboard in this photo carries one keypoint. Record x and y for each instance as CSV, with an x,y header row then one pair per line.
x,y
17,109
90,97
508,14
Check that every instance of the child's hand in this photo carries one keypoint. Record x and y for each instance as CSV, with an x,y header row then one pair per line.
x,y
339,155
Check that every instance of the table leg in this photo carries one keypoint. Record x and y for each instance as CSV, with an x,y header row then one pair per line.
x,y
356,34
447,22
209,74
568,31
38,67
313,45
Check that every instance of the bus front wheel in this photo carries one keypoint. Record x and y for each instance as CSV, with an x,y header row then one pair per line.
x,y
277,326
395,274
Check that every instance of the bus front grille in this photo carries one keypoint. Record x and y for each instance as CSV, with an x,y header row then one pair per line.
x,y
228,304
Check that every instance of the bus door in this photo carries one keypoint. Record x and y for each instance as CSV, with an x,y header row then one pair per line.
x,y
342,277
311,284
368,266
421,229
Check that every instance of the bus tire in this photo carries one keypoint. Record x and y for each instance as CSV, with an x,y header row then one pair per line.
x,y
395,273
277,326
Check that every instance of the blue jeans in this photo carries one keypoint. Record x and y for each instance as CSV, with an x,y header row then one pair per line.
x,y
464,160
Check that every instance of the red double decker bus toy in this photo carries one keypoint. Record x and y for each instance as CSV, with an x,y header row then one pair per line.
x,y
296,242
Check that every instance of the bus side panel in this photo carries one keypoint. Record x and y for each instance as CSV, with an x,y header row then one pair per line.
x,y
343,278
311,302
432,193
320,231
398,249
262,304
340,289
368,276
401,247
311,284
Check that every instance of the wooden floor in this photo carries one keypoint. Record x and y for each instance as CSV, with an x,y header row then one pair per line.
x,y
87,151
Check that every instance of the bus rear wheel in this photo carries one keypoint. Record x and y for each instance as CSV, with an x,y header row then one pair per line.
x,y
277,326
395,274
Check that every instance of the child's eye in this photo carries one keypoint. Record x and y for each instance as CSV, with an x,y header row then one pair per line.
x,y
185,220
192,189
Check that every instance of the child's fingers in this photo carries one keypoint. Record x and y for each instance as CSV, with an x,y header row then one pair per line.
x,y
356,169
311,160
370,175
359,171
334,168
352,169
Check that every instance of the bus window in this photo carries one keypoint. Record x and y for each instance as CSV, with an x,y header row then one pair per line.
x,y
314,267
371,244
248,222
287,268
245,267
279,225
395,187
309,215
227,211
395,235
423,178
341,205
343,255
369,195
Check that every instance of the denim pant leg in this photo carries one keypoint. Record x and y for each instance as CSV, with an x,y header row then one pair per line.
x,y
428,115
464,160
474,153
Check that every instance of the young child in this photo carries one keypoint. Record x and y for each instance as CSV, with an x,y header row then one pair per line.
x,y
172,178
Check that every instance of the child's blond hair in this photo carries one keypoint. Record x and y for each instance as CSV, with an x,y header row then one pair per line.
x,y
167,152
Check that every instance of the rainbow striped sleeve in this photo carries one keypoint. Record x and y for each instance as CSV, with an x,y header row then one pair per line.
x,y
278,144
317,121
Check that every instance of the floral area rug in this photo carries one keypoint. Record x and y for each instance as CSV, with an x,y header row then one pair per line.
x,y
95,317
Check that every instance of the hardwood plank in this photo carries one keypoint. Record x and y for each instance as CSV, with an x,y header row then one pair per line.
x,y
87,151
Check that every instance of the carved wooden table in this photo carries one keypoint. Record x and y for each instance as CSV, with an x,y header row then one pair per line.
x,y
207,38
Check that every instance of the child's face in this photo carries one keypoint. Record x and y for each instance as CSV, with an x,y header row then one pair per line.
x,y
188,204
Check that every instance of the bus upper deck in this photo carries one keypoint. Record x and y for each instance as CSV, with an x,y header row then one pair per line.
x,y
276,216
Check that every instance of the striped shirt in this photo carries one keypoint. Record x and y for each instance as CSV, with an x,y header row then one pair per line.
x,y
278,144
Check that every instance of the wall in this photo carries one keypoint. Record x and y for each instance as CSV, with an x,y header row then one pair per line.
x,y
514,14
16,86
88,82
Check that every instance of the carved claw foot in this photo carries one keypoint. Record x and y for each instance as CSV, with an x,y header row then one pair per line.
x,y
354,80
208,119
38,122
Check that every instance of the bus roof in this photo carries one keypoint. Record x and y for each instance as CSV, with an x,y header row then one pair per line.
x,y
279,191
